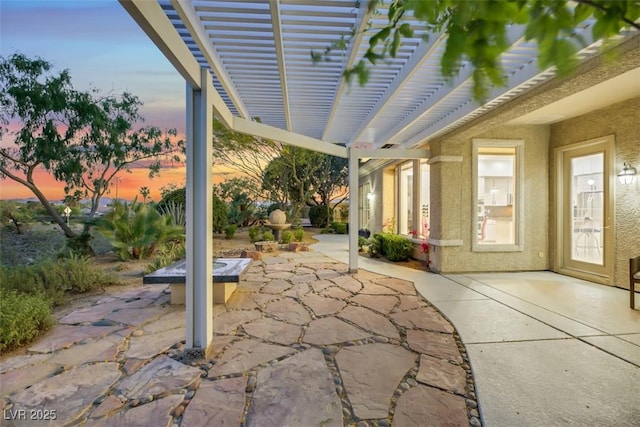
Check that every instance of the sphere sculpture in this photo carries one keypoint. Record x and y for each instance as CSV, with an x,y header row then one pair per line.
x,y
277,217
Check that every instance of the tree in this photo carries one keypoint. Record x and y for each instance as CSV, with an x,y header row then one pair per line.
x,y
331,184
247,154
477,32
80,138
238,194
144,192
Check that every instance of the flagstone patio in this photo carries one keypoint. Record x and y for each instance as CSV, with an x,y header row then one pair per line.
x,y
300,343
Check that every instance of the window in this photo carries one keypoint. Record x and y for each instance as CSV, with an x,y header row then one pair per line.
x,y
498,189
425,180
365,205
405,198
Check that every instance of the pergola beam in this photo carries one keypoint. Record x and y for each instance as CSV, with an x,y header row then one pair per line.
x,y
276,24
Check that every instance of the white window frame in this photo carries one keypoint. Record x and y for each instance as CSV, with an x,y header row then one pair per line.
x,y
518,202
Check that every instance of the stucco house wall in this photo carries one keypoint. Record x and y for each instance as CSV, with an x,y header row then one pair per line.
x,y
382,207
621,120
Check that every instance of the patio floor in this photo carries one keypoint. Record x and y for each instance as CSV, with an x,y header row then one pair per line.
x,y
300,343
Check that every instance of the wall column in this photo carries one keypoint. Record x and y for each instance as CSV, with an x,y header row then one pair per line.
x,y
199,209
353,210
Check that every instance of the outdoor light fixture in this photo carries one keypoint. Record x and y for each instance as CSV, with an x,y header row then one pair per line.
x,y
628,174
370,196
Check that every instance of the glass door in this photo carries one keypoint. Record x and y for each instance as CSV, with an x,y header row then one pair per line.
x,y
586,211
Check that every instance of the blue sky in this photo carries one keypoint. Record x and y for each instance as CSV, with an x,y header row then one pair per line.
x,y
102,47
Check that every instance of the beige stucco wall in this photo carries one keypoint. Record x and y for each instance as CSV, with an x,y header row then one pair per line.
x,y
456,210
623,122
382,183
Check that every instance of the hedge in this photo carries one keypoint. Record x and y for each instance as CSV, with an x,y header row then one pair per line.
x,y
394,247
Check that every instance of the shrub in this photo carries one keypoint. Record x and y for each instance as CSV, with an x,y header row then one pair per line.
x,y
166,254
272,207
340,227
22,318
375,246
179,197
395,247
287,236
136,230
298,234
253,233
230,231
268,236
319,215
362,242
176,211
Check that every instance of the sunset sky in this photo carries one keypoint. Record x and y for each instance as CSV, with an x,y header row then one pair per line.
x,y
103,48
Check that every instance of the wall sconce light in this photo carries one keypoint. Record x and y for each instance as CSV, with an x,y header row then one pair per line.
x,y
628,174
370,196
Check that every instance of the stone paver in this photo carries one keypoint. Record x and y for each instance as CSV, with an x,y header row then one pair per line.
x,y
422,406
281,399
71,393
371,373
300,343
442,374
423,318
217,403
330,330
246,354
161,375
370,321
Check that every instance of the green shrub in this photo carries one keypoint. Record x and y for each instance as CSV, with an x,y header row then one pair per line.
x,y
319,215
166,254
340,227
362,242
298,234
395,247
230,231
179,197
253,233
268,236
52,280
176,211
22,318
375,246
136,230
287,236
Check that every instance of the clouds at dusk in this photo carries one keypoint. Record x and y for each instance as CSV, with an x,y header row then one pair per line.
x,y
103,48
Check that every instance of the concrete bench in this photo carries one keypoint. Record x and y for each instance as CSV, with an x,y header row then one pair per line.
x,y
226,273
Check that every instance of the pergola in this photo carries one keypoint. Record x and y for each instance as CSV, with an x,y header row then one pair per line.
x,y
243,59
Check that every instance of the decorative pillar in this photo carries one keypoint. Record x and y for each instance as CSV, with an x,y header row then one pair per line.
x,y
353,210
199,209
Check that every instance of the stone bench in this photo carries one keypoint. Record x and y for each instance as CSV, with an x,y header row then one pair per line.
x,y
226,273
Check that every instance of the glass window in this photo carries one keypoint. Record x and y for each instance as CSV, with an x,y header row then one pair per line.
x,y
365,206
405,199
497,195
424,198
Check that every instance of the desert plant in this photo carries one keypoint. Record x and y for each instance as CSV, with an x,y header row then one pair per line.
x,y
135,229
230,231
176,211
253,233
179,196
165,255
268,236
298,234
22,318
287,236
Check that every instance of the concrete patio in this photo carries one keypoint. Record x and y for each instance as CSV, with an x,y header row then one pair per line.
x,y
300,343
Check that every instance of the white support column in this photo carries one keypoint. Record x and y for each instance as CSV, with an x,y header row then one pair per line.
x,y
353,210
199,290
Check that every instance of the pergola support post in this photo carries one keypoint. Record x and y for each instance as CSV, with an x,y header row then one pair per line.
x,y
353,210
199,289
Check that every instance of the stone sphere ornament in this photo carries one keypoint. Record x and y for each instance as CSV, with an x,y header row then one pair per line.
x,y
277,217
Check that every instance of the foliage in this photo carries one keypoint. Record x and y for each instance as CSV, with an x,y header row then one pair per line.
x,y
80,138
230,231
236,192
298,234
268,236
54,279
331,183
374,245
477,32
167,254
287,236
246,154
319,215
253,233
145,192
394,247
340,227
179,196
135,229
22,318
175,211
362,242
15,215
